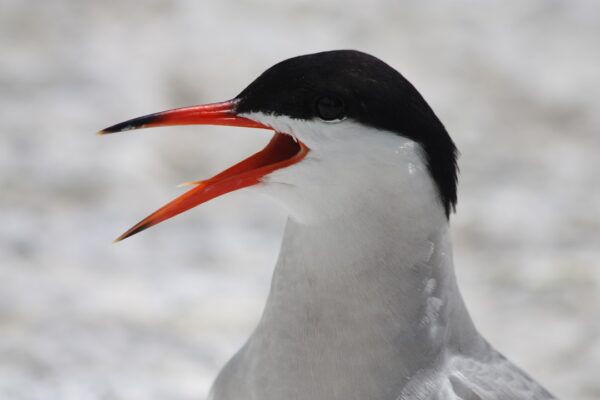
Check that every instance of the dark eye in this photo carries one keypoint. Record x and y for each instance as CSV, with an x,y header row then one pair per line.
x,y
330,108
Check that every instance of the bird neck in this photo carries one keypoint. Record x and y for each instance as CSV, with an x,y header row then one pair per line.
x,y
377,280
359,306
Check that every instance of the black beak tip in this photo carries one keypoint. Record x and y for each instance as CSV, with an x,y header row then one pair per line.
x,y
122,127
141,226
105,131
136,123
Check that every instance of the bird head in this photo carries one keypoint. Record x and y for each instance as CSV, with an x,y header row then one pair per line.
x,y
348,128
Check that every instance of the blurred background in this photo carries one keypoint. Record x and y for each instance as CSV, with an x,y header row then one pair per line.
x,y
156,316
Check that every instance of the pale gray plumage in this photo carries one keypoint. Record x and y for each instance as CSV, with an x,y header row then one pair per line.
x,y
364,302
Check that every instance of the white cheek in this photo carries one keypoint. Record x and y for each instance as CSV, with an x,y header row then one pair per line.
x,y
349,168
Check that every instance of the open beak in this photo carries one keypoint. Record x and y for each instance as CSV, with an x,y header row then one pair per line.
x,y
282,151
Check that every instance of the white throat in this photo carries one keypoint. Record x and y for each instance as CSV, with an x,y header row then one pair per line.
x,y
351,167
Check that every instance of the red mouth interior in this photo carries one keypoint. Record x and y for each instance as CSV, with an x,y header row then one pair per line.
x,y
282,151
277,153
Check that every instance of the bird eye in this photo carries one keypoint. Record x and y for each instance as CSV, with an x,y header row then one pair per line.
x,y
330,108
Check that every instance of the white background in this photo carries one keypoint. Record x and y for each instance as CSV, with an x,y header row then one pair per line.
x,y
156,316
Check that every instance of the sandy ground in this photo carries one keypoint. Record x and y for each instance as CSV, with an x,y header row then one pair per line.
x,y
156,316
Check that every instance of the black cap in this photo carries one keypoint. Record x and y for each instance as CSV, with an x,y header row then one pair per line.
x,y
354,85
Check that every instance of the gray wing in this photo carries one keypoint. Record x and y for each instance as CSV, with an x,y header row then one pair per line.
x,y
492,378
486,375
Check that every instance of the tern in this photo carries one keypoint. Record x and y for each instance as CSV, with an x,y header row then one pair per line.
x,y
364,303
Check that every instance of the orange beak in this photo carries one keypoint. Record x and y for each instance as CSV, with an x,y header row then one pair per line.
x,y
282,151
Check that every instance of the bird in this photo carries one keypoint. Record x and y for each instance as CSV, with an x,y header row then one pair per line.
x,y
364,303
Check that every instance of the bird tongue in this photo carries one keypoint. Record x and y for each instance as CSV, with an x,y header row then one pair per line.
x,y
282,151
